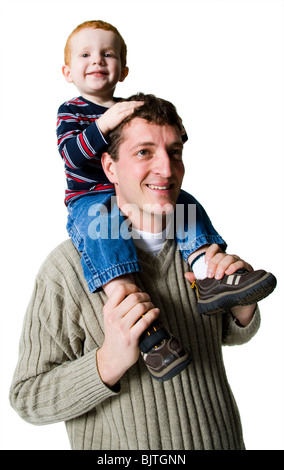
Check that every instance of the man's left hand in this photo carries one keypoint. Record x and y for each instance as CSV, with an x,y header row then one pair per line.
x,y
220,263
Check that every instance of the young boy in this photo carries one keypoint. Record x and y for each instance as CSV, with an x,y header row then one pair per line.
x,y
95,61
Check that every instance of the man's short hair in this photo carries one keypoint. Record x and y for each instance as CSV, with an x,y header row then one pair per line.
x,y
154,110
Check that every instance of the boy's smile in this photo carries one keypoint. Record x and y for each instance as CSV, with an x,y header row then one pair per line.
x,y
95,66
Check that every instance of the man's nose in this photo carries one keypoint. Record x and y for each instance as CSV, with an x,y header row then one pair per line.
x,y
163,164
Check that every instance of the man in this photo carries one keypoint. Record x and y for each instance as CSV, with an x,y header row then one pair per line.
x,y
79,357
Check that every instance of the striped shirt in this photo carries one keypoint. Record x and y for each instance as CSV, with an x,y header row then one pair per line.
x,y
80,144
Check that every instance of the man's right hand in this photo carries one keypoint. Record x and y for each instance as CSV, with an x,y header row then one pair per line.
x,y
116,114
124,324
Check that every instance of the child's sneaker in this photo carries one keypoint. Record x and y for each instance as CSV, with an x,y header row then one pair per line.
x,y
240,288
162,353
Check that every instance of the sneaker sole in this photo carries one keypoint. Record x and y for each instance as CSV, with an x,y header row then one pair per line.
x,y
245,296
162,376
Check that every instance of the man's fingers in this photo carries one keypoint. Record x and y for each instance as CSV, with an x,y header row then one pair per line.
x,y
128,298
145,321
223,263
240,264
119,294
190,277
211,251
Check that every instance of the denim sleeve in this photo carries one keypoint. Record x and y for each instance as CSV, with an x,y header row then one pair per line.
x,y
193,226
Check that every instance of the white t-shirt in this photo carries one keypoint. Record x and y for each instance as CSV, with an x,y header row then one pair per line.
x,y
148,241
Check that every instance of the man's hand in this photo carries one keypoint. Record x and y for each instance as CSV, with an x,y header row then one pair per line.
x,y
220,263
116,114
124,325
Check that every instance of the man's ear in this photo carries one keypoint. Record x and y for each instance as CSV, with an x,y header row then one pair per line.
x,y
108,165
67,73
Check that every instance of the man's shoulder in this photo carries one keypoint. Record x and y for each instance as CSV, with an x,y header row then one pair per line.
x,y
63,247
61,262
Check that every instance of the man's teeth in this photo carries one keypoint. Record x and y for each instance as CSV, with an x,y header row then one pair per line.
x,y
151,186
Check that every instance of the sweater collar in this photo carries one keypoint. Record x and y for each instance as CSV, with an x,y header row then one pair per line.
x,y
160,262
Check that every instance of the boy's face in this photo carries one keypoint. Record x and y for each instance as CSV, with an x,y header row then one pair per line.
x,y
95,65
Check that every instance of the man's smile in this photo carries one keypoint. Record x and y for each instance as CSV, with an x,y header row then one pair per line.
x,y
159,187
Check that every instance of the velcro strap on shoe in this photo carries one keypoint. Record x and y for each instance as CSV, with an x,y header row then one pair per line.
x,y
153,339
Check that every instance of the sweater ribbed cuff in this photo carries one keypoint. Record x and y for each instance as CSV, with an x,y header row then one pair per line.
x,y
243,334
87,381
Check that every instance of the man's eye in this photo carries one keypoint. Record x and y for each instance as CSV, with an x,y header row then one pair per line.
x,y
177,154
143,152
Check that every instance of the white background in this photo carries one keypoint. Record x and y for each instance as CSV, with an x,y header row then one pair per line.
x,y
221,64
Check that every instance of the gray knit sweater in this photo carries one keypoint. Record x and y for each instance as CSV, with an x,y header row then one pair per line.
x,y
56,378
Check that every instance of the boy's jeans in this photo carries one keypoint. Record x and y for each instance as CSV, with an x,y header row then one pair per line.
x,y
100,232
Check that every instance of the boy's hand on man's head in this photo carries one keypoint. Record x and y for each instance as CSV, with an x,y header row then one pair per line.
x,y
116,114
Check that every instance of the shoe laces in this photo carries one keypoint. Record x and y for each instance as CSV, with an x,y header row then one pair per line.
x,y
149,334
194,286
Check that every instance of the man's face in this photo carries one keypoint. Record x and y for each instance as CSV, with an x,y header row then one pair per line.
x,y
149,171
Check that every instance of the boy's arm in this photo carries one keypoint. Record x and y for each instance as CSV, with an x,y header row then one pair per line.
x,y
78,144
116,114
